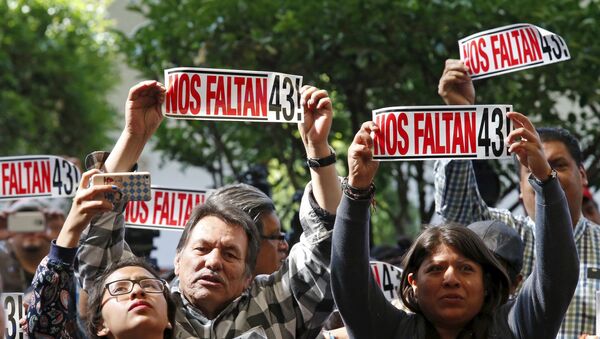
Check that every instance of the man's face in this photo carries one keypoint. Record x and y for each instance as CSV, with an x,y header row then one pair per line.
x,y
272,251
34,244
212,265
571,177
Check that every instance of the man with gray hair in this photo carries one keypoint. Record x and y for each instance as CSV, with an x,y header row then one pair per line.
x,y
273,246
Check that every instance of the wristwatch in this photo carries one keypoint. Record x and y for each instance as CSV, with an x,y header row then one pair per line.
x,y
553,174
322,162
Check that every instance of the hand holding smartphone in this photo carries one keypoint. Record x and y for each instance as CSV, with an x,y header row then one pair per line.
x,y
133,186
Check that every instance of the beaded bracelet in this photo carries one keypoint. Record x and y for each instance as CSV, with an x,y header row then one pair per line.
x,y
357,193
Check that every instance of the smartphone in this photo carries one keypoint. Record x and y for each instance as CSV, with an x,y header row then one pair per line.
x,y
133,186
26,222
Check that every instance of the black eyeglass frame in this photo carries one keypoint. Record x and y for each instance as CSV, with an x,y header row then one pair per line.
x,y
278,237
163,285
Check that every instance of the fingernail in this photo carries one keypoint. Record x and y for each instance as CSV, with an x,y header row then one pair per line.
x,y
115,188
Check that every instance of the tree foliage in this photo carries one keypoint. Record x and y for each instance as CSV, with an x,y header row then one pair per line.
x,y
56,68
368,54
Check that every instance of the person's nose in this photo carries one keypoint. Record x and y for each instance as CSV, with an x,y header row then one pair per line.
x,y
136,291
284,246
214,260
450,277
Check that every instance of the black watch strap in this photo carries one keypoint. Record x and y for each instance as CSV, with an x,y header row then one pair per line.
x,y
322,162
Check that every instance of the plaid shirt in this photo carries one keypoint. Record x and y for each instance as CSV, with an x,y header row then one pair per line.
x,y
457,199
290,303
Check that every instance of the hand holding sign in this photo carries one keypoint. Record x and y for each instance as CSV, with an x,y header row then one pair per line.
x,y
143,110
88,202
318,114
525,142
361,166
455,86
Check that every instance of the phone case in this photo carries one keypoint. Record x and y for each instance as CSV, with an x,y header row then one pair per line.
x,y
134,186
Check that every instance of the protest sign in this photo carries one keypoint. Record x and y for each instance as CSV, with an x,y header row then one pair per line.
x,y
169,209
219,94
434,132
37,176
511,48
387,277
14,311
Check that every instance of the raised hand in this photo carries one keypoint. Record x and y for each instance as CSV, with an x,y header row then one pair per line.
x,y
361,166
456,86
525,142
318,115
88,202
143,109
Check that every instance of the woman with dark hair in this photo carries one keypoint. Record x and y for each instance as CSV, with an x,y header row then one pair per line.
x,y
451,281
129,301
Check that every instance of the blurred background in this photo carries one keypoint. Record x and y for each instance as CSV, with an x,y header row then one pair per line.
x,y
66,67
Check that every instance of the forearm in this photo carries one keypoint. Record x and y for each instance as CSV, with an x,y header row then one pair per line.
x,y
354,290
544,299
125,153
325,181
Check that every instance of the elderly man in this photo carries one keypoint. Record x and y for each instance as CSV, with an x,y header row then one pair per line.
x,y
215,292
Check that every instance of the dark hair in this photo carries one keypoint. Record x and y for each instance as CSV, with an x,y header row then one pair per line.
x,y
232,216
561,135
97,293
248,198
465,241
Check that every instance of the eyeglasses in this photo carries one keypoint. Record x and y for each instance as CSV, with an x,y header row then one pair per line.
x,y
278,237
124,286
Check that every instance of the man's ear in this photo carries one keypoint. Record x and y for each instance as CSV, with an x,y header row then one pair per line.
x,y
583,175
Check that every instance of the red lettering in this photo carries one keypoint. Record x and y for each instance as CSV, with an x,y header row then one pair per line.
x,y
485,62
495,50
516,39
379,140
157,206
249,98
230,110
403,143
220,104
46,177
446,118
458,135
535,44
512,60
164,212
473,57
503,52
210,94
183,96
196,82
239,82
428,139
470,132
418,117
261,96
391,140
5,178
171,97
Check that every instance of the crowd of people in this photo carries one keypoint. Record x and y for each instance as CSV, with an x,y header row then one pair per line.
x,y
482,273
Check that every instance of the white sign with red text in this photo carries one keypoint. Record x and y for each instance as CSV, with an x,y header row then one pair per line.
x,y
387,277
169,209
511,48
434,132
14,311
37,176
219,94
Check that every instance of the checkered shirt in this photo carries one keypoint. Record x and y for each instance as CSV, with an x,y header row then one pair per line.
x,y
457,199
290,303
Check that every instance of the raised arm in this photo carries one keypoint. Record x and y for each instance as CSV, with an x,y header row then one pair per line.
x,y
52,310
318,115
143,115
457,197
546,294
103,241
362,305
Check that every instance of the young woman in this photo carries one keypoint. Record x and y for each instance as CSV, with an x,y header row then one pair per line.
x,y
452,283
129,301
